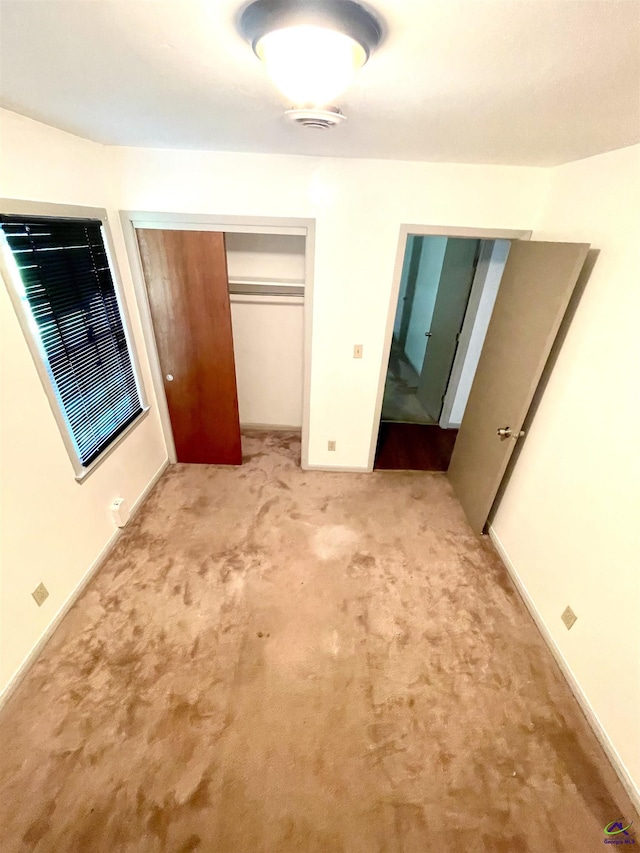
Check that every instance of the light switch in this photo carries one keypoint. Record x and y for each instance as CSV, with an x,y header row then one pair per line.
x,y
357,351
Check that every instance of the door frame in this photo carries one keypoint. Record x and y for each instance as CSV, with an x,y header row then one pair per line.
x,y
296,226
422,231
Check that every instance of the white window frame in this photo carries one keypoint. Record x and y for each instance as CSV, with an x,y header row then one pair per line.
x,y
18,207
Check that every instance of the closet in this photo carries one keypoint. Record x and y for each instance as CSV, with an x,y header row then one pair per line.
x,y
226,310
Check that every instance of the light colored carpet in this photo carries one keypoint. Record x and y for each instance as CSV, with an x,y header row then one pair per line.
x,y
275,661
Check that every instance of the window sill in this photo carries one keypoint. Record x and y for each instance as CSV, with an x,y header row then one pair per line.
x,y
83,473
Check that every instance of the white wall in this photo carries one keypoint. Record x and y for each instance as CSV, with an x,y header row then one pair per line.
x,y
424,298
268,345
53,529
570,518
279,257
358,206
486,282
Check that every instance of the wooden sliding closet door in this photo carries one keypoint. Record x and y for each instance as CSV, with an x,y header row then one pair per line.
x,y
187,284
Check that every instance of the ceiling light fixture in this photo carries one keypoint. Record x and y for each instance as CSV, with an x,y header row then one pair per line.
x,y
311,49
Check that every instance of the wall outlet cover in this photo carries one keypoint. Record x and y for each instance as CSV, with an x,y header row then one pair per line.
x,y
357,351
331,445
120,512
40,594
569,618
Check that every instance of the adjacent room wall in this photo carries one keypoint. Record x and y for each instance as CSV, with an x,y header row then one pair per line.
x,y
53,529
446,320
483,296
359,206
424,293
569,521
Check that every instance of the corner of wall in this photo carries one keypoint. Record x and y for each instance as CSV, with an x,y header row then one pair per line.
x,y
567,514
574,685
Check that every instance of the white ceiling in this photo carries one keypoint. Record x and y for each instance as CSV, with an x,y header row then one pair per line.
x,y
536,82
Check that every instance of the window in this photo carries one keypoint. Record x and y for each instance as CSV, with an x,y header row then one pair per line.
x,y
61,276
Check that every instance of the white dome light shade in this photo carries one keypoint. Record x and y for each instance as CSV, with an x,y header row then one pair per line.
x,y
311,48
311,65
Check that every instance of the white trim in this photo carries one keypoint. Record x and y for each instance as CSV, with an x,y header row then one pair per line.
x,y
218,222
27,207
86,579
309,267
144,312
420,231
337,469
84,473
131,219
216,227
462,231
574,685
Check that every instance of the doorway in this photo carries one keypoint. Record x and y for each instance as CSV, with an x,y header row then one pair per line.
x,y
447,291
529,304
264,304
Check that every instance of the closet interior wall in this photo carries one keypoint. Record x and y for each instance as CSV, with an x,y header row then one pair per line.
x,y
266,285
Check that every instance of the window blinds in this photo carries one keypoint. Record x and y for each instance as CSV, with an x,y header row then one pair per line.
x,y
70,293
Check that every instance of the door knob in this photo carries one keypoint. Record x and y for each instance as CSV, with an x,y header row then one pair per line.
x,y
169,377
427,334
507,432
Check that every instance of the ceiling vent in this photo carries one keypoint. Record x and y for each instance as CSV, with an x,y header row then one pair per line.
x,y
314,118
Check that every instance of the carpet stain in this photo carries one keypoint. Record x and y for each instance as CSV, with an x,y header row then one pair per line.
x,y
332,541
274,660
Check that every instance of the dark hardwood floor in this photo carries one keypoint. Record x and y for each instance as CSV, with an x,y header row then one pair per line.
x,y
414,447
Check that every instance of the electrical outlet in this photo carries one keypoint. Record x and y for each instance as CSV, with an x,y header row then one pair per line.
x,y
40,594
331,445
569,618
357,351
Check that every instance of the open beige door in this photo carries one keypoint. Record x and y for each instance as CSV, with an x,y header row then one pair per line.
x,y
536,286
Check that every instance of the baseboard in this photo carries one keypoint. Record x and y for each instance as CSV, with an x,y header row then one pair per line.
x,y
86,579
337,469
574,686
